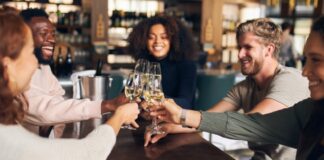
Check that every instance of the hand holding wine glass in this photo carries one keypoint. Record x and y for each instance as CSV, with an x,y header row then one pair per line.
x,y
154,93
133,89
132,92
129,112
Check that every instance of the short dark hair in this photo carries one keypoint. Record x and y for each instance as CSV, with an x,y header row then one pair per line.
x,y
318,26
28,14
285,25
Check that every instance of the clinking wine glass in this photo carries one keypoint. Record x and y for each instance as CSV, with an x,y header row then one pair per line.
x,y
142,68
132,91
155,93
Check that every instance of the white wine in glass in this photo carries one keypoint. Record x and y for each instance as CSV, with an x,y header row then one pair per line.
x,y
156,93
132,90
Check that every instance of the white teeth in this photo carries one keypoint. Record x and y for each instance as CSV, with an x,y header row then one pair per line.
x,y
158,48
50,48
244,62
313,83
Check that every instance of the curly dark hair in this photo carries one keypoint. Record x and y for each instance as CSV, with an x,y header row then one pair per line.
x,y
13,33
318,26
182,45
28,14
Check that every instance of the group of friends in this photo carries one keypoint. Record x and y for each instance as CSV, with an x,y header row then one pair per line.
x,y
281,105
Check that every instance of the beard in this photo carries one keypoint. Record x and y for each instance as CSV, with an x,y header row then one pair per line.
x,y
40,58
254,69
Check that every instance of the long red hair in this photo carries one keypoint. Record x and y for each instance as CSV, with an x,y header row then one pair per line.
x,y
13,32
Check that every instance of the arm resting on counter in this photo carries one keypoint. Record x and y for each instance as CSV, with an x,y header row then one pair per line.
x,y
283,127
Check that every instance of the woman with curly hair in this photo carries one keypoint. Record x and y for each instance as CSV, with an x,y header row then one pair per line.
x,y
166,40
17,65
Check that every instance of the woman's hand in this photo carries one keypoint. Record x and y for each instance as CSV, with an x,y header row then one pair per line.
x,y
165,127
125,114
168,128
128,113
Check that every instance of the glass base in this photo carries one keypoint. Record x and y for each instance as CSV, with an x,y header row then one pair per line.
x,y
128,126
155,129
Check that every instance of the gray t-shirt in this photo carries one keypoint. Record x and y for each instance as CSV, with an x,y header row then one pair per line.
x,y
287,87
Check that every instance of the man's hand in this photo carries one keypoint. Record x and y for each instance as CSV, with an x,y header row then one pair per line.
x,y
168,111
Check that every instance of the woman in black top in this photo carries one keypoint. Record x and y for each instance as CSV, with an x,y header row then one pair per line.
x,y
166,40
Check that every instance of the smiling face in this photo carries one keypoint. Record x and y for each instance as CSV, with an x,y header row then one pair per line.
x,y
251,54
314,67
158,42
44,38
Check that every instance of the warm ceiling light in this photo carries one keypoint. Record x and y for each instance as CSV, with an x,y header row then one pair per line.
x,y
67,1
61,1
315,3
291,4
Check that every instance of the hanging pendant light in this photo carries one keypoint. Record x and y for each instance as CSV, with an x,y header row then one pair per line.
x,y
315,3
291,4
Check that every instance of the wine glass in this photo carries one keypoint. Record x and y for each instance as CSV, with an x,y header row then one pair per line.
x,y
132,91
155,93
142,68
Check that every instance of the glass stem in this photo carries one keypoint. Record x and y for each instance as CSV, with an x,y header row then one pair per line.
x,y
154,122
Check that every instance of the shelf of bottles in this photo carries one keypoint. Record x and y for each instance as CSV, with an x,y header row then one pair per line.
x,y
125,14
73,28
189,12
229,45
73,40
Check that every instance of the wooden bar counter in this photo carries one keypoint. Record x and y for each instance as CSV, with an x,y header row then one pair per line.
x,y
189,146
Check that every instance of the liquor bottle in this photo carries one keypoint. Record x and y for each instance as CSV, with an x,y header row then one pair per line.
x,y
68,66
99,68
60,64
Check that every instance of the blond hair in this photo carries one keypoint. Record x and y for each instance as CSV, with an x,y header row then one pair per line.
x,y
265,29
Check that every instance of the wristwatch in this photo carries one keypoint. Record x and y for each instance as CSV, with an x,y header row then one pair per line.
x,y
183,117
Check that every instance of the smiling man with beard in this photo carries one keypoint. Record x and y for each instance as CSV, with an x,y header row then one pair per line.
x,y
45,96
268,86
44,37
